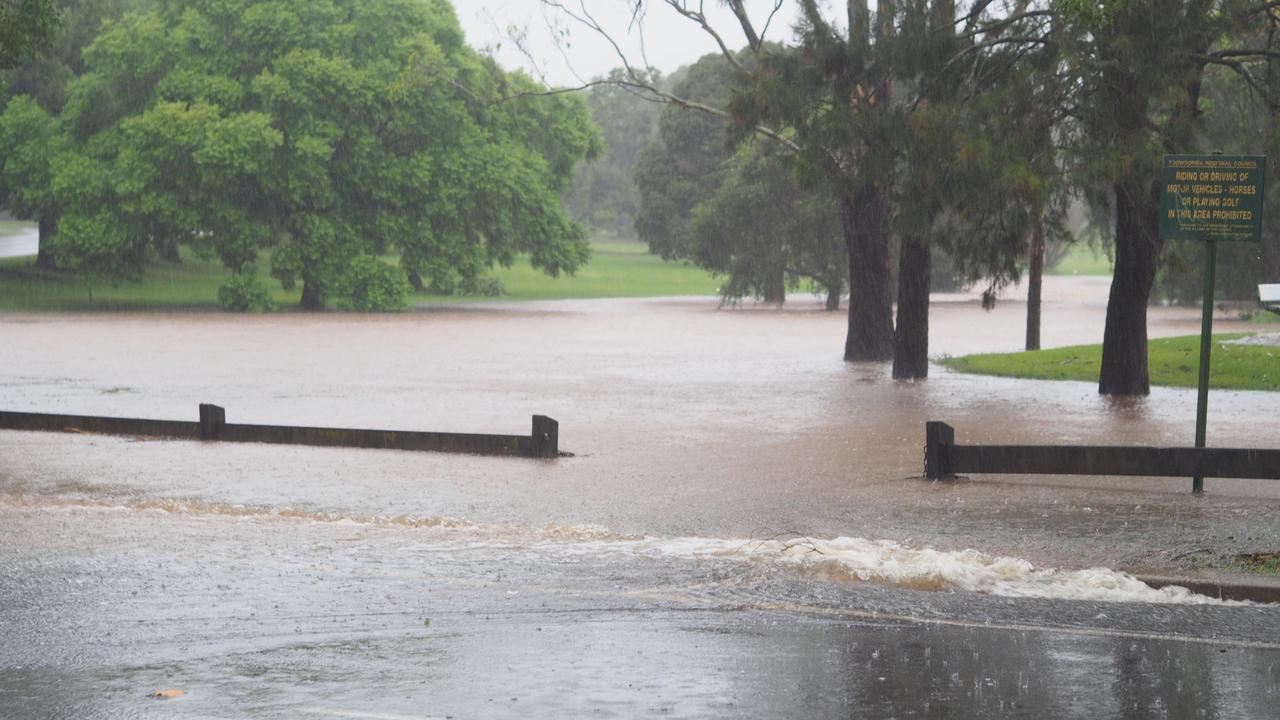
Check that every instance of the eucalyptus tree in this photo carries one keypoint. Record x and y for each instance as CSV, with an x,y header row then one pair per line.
x,y
1139,69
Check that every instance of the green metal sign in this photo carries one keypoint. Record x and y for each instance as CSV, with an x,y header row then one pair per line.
x,y
1211,197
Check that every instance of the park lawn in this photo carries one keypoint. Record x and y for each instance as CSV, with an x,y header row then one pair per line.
x,y
189,285
615,270
1082,259
1173,362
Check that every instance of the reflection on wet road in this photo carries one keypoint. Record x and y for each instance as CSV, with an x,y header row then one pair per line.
x,y
698,557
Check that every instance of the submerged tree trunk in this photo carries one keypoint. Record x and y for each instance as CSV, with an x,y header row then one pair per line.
x,y
44,256
775,288
833,298
911,336
1034,281
310,295
1124,342
870,336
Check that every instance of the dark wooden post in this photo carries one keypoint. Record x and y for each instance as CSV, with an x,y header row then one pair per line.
x,y
546,437
938,439
212,418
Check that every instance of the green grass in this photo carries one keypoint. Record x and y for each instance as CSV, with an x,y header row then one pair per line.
x,y
190,285
1082,259
615,270
1263,563
1264,317
1173,362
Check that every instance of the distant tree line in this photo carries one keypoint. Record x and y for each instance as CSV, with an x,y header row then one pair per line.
x,y
933,127
326,136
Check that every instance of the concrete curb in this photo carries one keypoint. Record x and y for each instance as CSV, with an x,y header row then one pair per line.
x,y
1263,590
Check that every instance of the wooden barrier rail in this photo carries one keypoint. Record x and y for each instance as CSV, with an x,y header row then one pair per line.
x,y
543,442
945,459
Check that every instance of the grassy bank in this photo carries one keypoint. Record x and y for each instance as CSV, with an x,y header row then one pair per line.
x,y
1081,259
1173,362
615,270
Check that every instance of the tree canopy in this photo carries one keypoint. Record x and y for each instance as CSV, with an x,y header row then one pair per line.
x,y
26,26
330,133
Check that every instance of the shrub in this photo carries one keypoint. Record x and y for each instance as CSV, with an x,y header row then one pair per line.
x,y
243,293
370,285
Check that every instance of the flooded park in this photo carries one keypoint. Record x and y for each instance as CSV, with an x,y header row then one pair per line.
x,y
419,359
738,526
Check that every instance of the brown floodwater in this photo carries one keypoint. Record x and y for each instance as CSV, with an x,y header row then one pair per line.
x,y
295,581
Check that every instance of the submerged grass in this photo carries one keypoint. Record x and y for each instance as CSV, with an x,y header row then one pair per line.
x,y
616,269
1173,362
1262,563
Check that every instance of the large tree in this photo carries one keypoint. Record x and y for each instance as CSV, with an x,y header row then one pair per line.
x,y
327,131
841,100
1139,67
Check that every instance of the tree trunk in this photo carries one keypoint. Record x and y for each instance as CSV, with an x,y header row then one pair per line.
x,y
911,336
1124,342
1034,279
775,288
870,336
170,252
833,298
415,279
44,256
310,295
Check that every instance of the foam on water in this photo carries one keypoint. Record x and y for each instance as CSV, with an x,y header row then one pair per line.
x,y
841,559
885,562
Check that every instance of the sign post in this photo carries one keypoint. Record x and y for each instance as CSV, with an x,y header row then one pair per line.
x,y
1210,198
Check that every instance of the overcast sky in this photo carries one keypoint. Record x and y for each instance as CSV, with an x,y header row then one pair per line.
x,y
670,40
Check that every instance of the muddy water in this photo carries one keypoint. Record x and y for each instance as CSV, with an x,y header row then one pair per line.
x,y
739,500
684,421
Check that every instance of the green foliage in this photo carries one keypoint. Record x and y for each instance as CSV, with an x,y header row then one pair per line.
x,y
1174,362
371,285
739,213
243,292
603,194
26,26
616,269
322,130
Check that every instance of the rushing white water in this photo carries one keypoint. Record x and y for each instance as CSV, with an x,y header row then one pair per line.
x,y
841,559
890,563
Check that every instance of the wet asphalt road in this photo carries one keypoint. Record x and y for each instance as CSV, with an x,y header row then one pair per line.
x,y
301,582
280,618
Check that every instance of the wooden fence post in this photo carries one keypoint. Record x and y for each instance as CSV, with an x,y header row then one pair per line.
x,y
938,439
212,418
546,437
